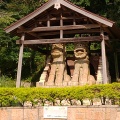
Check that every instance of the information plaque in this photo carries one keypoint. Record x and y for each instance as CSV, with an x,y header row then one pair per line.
x,y
55,112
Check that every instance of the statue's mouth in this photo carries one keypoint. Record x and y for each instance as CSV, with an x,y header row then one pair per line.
x,y
56,51
79,51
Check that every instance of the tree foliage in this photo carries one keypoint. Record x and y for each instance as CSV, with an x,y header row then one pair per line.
x,y
12,10
107,8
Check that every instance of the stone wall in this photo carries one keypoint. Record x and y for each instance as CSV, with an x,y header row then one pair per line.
x,y
74,113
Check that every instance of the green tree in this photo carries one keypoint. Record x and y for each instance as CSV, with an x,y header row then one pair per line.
x,y
12,10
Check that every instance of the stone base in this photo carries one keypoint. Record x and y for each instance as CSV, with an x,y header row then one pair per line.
x,y
98,82
72,83
65,83
58,84
38,84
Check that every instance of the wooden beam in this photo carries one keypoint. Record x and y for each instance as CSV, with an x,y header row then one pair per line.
x,y
70,32
18,82
104,66
30,16
58,18
87,14
32,34
63,40
56,28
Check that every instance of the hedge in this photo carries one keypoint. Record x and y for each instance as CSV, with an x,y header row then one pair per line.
x,y
39,96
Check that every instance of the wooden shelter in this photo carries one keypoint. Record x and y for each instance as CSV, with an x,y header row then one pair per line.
x,y
54,21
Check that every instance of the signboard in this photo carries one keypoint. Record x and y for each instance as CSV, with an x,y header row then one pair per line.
x,y
55,112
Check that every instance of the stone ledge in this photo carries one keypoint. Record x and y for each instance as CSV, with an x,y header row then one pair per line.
x,y
82,106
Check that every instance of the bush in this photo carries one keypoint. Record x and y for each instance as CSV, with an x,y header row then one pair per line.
x,y
19,96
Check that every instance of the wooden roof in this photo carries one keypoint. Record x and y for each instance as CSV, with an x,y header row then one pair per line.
x,y
45,22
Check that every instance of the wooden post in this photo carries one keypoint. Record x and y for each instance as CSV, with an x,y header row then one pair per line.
x,y
48,21
61,24
18,82
74,22
116,66
104,65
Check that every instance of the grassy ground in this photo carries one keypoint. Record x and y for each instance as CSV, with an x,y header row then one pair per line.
x,y
6,82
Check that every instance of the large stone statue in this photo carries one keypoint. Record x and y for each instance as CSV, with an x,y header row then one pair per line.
x,y
58,73
81,75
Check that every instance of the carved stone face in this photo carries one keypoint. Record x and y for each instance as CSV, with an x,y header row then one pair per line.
x,y
80,50
57,50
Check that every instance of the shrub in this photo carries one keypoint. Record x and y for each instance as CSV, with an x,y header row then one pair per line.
x,y
18,96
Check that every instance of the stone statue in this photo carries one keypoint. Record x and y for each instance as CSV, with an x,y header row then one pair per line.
x,y
58,73
81,75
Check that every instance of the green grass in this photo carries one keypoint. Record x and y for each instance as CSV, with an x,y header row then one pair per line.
x,y
6,82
